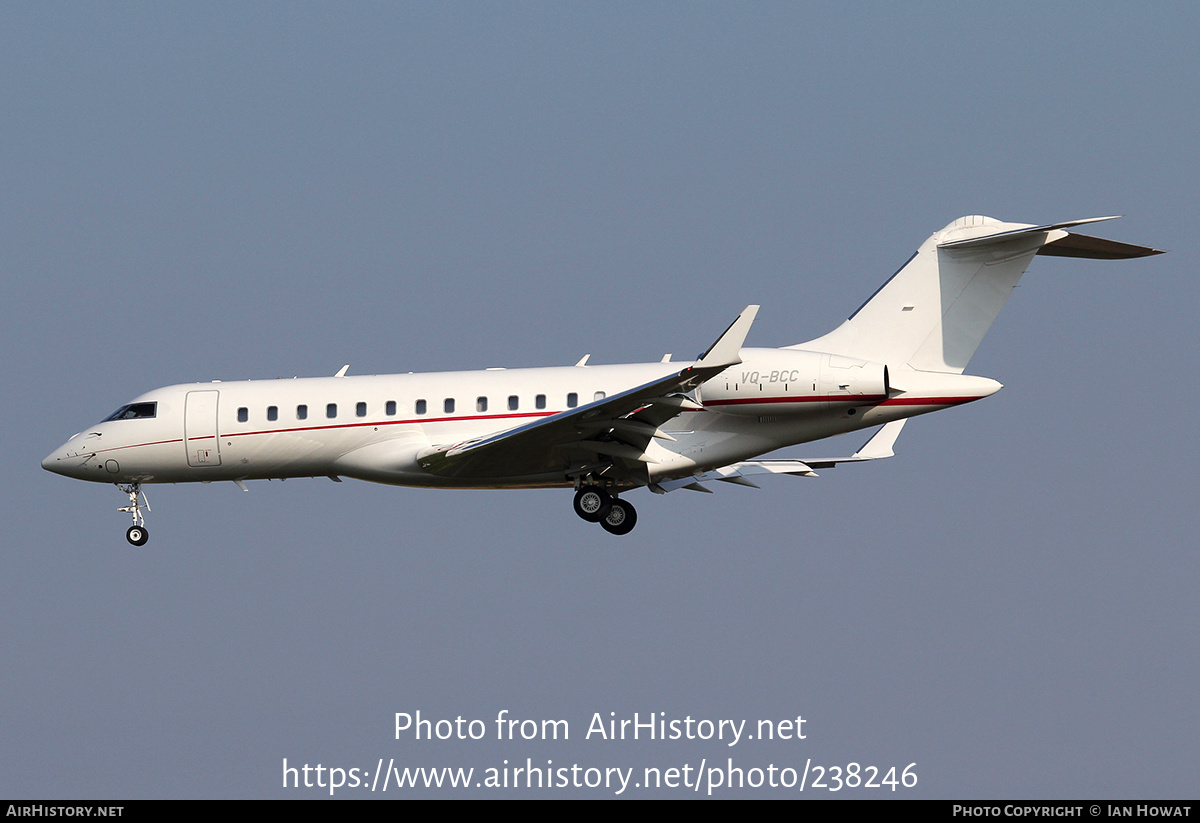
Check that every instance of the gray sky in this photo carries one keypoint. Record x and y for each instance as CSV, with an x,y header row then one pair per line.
x,y
235,191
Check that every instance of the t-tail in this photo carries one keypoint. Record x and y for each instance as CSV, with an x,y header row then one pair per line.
x,y
932,314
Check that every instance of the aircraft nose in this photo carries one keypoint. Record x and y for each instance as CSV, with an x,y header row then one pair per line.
x,y
64,461
53,462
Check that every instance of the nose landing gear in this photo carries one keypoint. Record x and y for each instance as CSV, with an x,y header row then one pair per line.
x,y
137,534
595,505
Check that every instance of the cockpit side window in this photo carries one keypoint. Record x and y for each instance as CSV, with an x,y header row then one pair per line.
x,y
134,411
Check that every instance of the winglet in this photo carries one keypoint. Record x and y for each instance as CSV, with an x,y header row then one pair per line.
x,y
880,445
725,352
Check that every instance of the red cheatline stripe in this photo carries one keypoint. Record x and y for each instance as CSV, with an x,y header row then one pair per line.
x,y
745,401
928,401
864,399
395,423
836,398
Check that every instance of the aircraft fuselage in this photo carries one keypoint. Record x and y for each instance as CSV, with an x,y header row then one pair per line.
x,y
335,426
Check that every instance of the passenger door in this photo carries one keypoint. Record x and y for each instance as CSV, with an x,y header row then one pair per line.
x,y
200,429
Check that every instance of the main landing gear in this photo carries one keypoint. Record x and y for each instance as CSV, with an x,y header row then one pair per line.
x,y
595,505
137,534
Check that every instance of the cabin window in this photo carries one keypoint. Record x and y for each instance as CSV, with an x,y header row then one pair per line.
x,y
361,410
513,403
390,408
331,410
243,414
572,400
598,396
480,404
420,407
448,405
302,412
540,401
134,411
272,412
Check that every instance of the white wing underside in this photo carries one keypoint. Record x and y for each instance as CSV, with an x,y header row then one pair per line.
x,y
877,448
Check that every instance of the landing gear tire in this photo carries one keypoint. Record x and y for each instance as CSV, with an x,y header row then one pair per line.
x,y
592,503
137,535
621,518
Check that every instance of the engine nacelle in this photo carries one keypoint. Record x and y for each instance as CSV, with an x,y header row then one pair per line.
x,y
786,381
845,378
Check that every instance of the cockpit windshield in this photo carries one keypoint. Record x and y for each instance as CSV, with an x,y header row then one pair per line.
x,y
134,411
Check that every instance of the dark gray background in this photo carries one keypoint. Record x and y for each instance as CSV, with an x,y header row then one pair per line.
x,y
244,191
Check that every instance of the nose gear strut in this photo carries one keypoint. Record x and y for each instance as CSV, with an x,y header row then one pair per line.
x,y
137,534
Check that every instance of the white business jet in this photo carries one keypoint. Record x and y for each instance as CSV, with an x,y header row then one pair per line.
x,y
602,430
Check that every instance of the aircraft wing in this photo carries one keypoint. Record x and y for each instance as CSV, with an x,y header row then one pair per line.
x,y
877,448
608,436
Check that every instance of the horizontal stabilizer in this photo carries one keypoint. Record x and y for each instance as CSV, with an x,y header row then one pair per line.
x,y
1059,243
1094,248
1014,234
